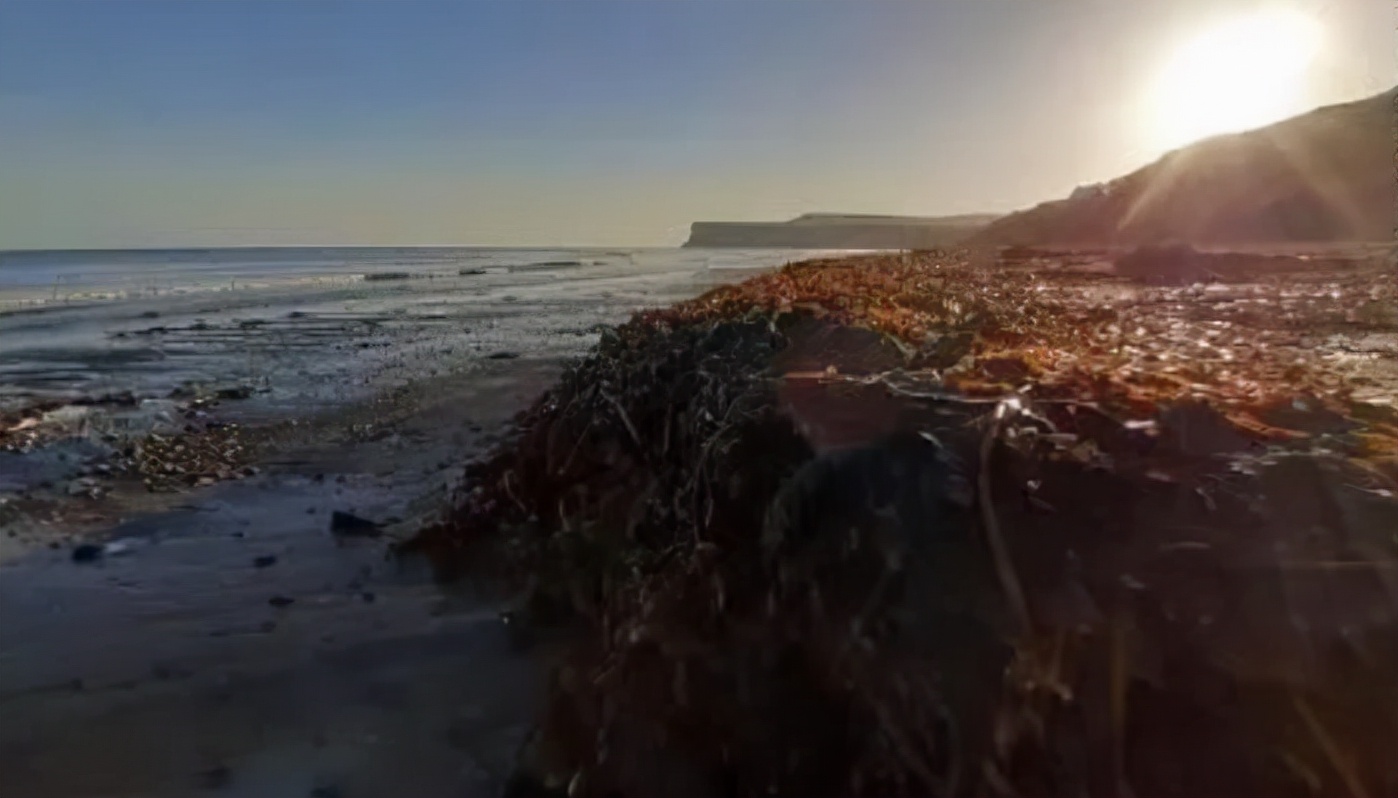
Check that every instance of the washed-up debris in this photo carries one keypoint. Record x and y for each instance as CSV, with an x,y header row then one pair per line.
x,y
1051,545
197,456
118,548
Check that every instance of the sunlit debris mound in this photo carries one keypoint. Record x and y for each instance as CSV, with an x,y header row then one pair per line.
x,y
892,526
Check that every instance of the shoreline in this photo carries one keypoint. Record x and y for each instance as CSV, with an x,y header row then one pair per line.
x,y
416,686
235,635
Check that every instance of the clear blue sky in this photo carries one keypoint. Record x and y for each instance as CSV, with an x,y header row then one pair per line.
x,y
497,122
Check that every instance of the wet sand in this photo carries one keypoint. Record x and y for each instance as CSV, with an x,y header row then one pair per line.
x,y
224,640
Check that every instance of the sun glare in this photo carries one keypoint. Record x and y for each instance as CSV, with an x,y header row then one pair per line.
x,y
1242,73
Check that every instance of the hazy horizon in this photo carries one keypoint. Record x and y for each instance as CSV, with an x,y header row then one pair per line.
x,y
589,123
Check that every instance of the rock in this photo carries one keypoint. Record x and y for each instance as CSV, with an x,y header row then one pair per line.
x,y
503,356
281,601
327,791
235,392
264,561
1164,264
350,525
86,553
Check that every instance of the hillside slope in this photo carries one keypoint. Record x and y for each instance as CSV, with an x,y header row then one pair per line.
x,y
840,231
1327,175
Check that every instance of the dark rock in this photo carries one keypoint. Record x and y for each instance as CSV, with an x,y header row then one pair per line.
x,y
87,552
236,392
503,356
150,314
350,525
264,561
281,601
327,791
1165,264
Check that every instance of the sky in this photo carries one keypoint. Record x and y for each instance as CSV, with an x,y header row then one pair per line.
x,y
579,122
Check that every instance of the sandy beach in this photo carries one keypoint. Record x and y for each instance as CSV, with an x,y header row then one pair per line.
x,y
223,636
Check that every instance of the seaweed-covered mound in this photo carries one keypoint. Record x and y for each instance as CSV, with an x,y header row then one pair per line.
x,y
895,526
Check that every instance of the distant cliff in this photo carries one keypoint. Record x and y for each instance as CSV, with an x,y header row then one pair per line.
x,y
1326,175
840,231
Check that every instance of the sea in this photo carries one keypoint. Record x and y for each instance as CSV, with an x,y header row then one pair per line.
x,y
314,323
30,277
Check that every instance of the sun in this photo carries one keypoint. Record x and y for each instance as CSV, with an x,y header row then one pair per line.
x,y
1242,73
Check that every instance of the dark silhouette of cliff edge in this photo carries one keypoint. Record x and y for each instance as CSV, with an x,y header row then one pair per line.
x,y
1327,175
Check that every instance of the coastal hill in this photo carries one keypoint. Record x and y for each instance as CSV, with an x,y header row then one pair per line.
x,y
841,231
1326,175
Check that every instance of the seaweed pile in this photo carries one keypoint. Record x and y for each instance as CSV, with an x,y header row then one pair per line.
x,y
898,526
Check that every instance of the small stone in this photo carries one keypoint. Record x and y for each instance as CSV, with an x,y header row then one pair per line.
x,y
281,601
264,561
350,525
86,553
503,356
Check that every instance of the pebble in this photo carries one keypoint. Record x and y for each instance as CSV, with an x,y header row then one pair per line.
x,y
86,553
350,525
264,561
